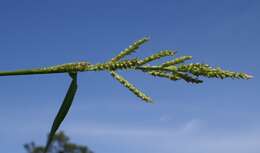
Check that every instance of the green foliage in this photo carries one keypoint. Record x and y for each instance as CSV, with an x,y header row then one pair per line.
x,y
63,109
174,69
60,144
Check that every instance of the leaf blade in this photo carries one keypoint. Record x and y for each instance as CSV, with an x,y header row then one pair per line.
x,y
63,109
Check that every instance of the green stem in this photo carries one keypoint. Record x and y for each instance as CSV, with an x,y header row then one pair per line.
x,y
64,68
75,67
28,72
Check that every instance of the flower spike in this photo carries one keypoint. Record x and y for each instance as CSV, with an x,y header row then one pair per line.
x,y
173,70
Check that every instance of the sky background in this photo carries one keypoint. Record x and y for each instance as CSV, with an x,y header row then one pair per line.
x,y
216,116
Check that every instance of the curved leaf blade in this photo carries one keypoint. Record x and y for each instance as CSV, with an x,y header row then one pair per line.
x,y
63,109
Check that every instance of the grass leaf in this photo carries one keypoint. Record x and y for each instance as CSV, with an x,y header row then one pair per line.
x,y
63,109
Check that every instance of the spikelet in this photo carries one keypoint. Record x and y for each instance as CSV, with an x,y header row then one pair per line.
x,y
207,71
130,87
176,61
130,49
157,68
157,56
164,75
176,76
125,64
188,78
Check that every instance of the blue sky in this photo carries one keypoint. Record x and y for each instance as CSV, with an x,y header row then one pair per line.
x,y
216,116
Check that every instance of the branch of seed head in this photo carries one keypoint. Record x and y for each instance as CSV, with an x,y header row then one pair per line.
x,y
130,87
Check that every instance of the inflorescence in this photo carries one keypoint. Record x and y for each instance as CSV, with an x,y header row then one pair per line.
x,y
174,69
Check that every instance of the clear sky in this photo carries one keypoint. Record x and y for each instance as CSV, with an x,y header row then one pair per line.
x,y
217,116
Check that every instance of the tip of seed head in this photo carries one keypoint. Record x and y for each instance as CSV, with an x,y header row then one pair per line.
x,y
249,76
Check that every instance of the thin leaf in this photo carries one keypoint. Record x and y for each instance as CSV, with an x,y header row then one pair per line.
x,y
63,109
